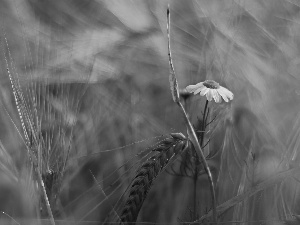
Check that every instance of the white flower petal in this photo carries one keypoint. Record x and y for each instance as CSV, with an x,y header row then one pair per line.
x,y
226,92
204,91
193,88
209,94
199,90
213,94
216,95
223,95
219,97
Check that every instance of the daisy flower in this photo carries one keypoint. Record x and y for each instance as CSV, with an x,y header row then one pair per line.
x,y
212,90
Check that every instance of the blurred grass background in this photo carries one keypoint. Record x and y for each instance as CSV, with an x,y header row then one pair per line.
x,y
104,67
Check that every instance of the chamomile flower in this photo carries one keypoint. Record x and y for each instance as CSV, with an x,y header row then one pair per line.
x,y
212,90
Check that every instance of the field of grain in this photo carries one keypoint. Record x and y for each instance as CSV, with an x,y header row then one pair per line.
x,y
97,125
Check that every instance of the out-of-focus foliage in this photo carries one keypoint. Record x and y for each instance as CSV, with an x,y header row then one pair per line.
x,y
111,57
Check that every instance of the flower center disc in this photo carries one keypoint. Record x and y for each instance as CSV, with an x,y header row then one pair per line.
x,y
211,84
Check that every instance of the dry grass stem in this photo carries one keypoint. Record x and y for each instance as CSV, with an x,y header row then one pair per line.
x,y
191,131
31,140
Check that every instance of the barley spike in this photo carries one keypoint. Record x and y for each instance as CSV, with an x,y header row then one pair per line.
x,y
141,184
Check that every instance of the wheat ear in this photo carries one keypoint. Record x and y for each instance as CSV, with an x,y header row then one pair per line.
x,y
31,140
166,150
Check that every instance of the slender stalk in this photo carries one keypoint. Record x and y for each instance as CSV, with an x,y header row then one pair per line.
x,y
195,178
172,75
40,179
194,140
203,124
195,187
191,131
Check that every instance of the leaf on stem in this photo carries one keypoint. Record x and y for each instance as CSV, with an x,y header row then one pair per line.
x,y
172,75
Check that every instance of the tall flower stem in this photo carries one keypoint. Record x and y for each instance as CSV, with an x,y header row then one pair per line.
x,y
195,185
203,124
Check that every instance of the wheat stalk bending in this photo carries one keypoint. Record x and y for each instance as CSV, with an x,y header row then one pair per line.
x,y
191,132
166,150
